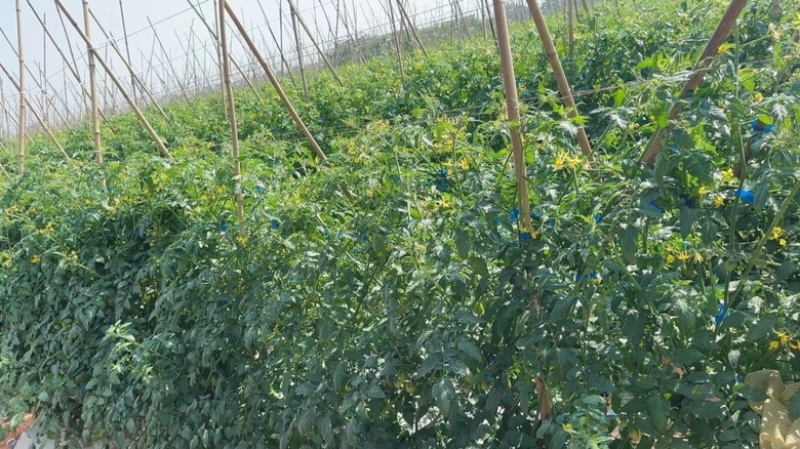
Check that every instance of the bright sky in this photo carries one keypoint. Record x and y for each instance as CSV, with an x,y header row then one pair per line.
x,y
174,20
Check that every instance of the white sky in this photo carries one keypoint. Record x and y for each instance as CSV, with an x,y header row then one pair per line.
x,y
174,19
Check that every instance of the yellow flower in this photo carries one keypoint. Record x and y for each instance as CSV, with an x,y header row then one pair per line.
x,y
36,259
683,256
670,259
241,240
773,346
795,346
574,162
567,427
728,175
783,337
560,162
724,48
703,191
719,201
782,242
758,97
698,258
463,164
776,233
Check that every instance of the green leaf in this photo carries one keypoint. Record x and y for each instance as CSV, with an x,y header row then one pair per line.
x,y
443,393
463,244
559,439
469,348
794,407
688,356
427,366
628,241
785,271
688,218
659,413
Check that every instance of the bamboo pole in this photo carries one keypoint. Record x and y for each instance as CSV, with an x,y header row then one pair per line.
x,y
558,70
22,120
489,16
698,73
43,73
142,119
571,25
237,167
411,26
29,106
64,58
299,55
98,146
353,39
168,63
512,101
276,84
127,50
397,45
277,44
314,42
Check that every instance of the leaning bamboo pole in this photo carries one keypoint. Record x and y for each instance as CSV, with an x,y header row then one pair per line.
x,y
142,119
512,102
698,73
21,89
226,67
411,26
72,69
277,43
558,70
314,42
97,139
276,84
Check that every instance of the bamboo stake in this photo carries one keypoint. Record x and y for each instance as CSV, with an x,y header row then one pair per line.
x,y
277,44
30,106
98,146
299,55
129,60
698,73
237,167
142,119
558,70
570,20
314,41
397,47
354,45
512,101
489,16
43,73
22,121
168,63
276,84
66,63
244,74
411,26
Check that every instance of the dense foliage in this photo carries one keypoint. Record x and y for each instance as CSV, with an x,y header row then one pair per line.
x,y
416,315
